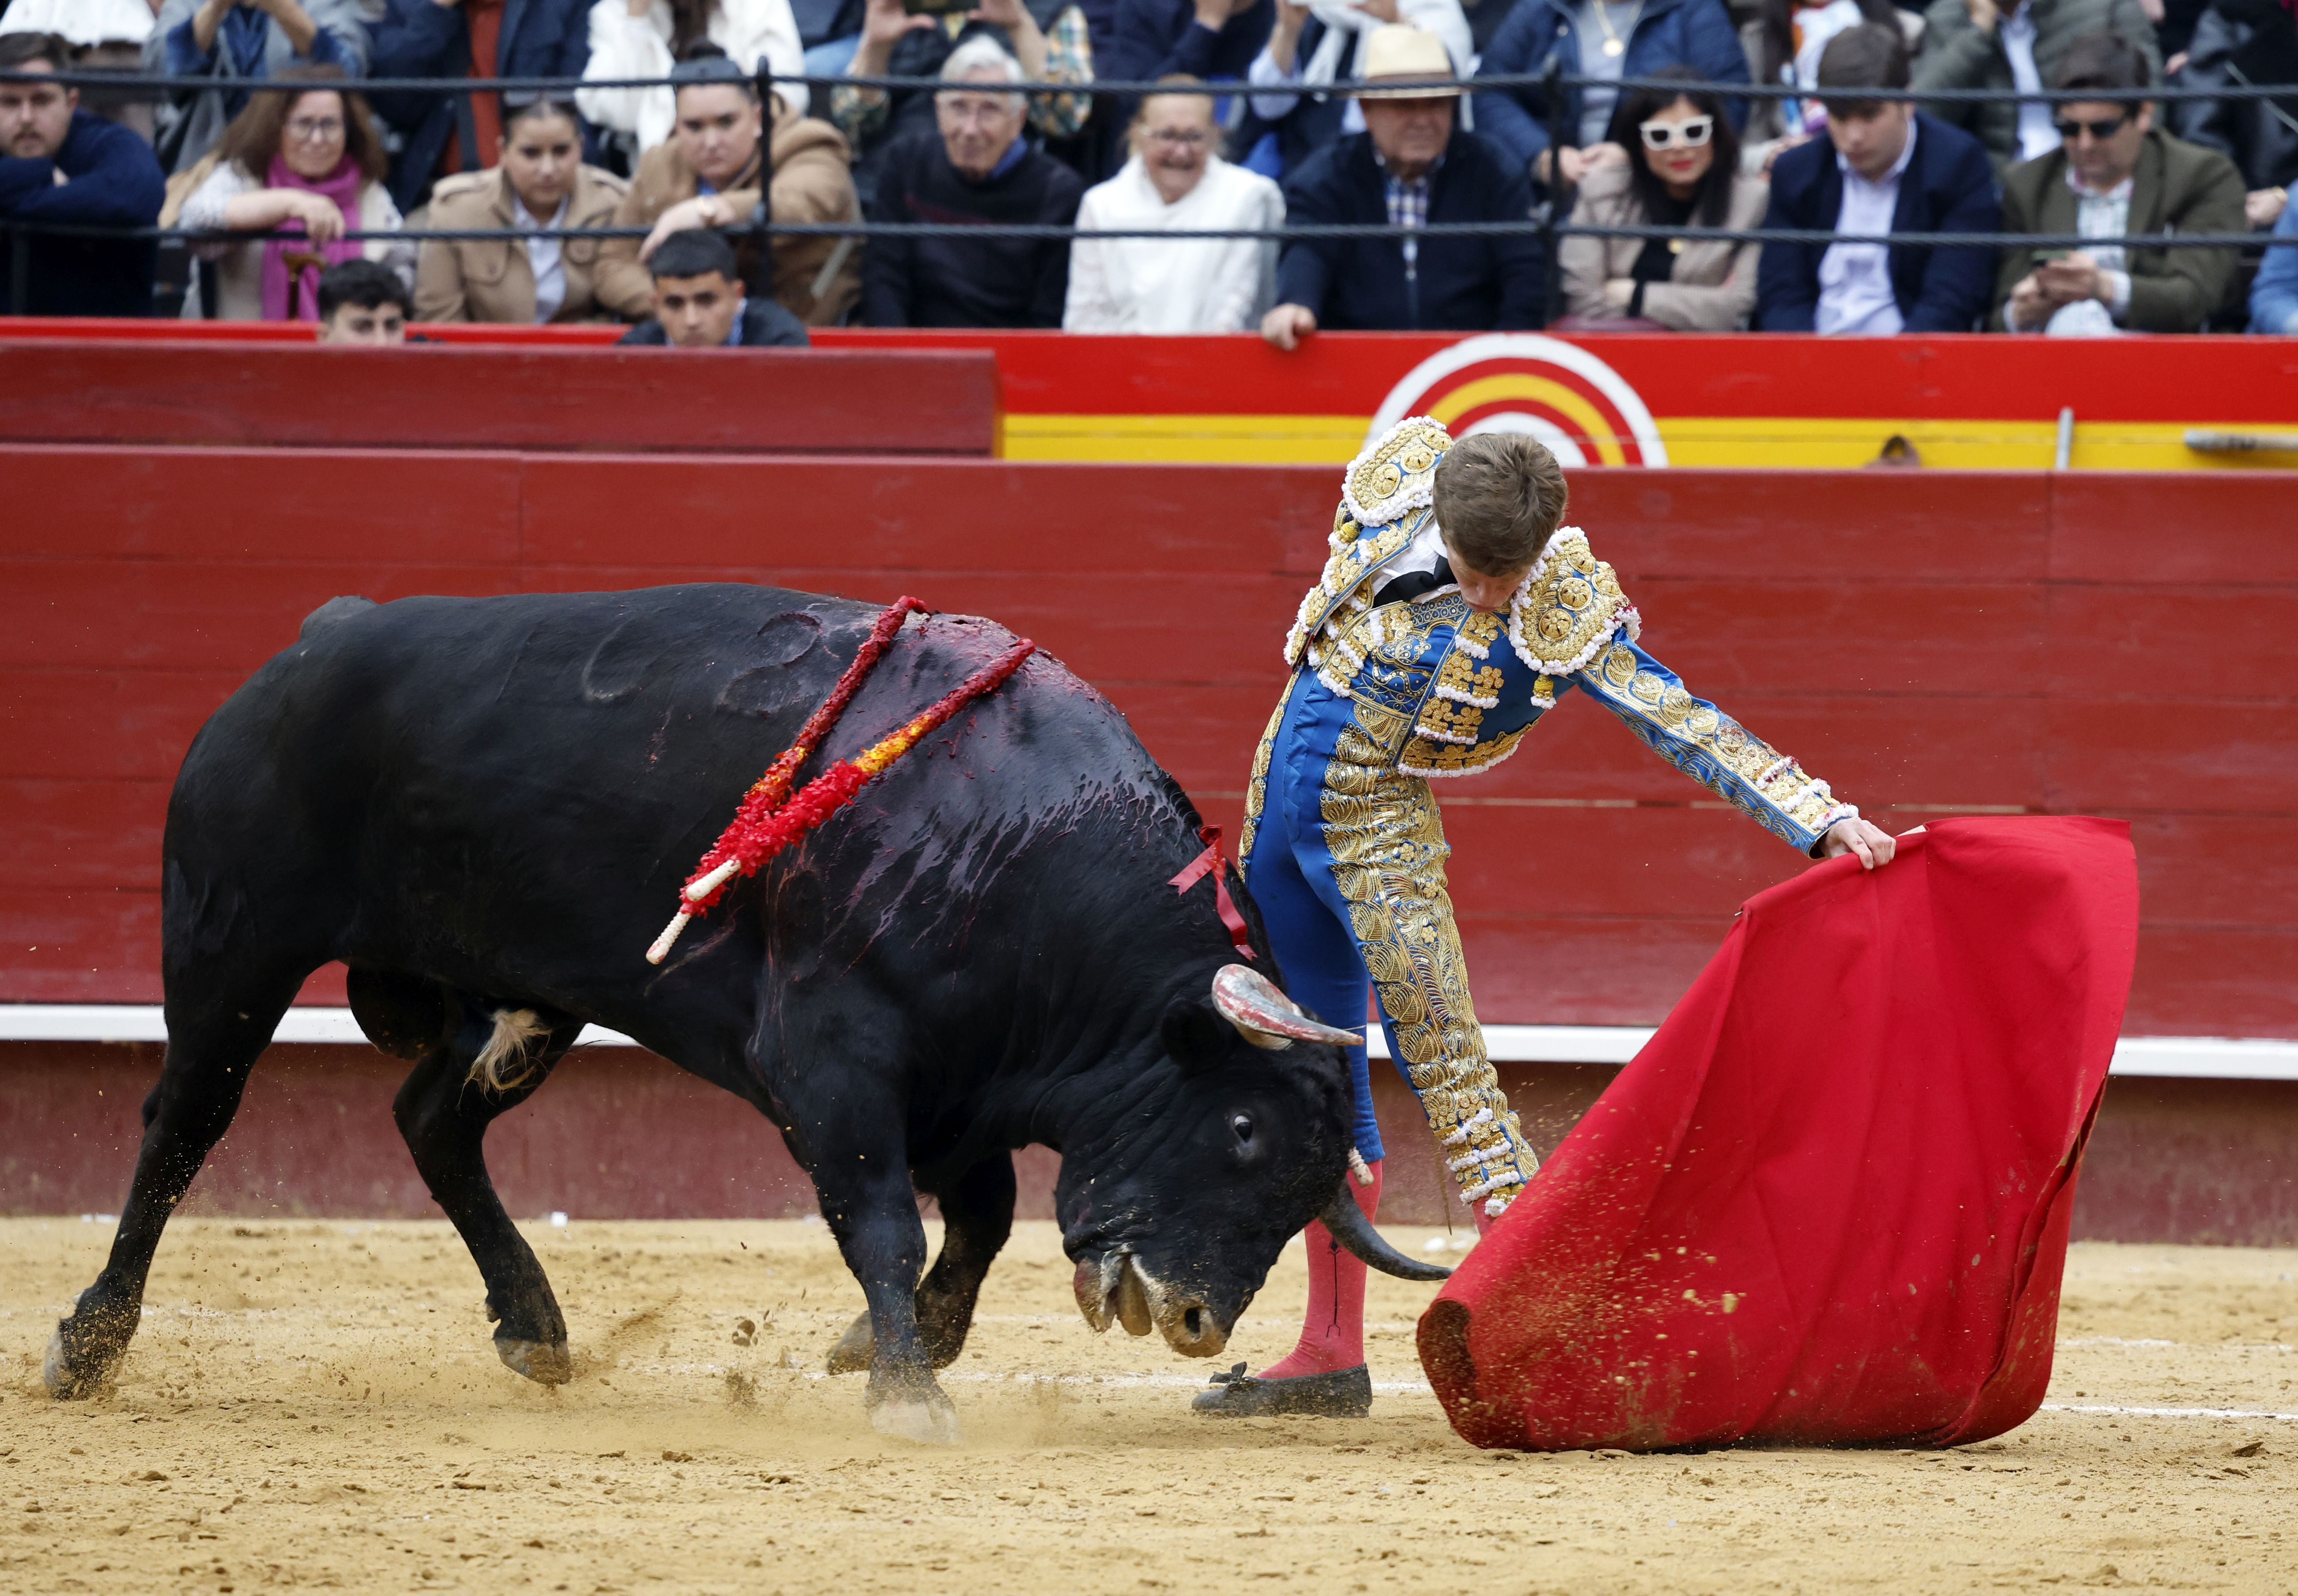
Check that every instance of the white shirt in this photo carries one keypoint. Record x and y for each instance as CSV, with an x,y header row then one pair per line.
x,y
1854,279
1175,285
2097,215
545,258
2038,134
1421,554
82,22
754,34
2105,216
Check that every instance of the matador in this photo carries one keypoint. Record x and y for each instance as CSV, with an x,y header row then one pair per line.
x,y
1454,611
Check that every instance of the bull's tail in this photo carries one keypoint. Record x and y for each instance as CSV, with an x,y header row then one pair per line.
x,y
508,1060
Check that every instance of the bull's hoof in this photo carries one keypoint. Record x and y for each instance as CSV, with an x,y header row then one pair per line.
x,y
63,1382
545,1362
71,1372
931,1420
851,1355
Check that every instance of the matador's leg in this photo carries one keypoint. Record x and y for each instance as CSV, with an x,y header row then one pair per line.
x,y
1388,852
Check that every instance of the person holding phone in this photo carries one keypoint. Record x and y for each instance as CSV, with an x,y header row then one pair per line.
x,y
914,38
2116,174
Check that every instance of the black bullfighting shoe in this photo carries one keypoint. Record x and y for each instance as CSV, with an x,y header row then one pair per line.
x,y
1343,1393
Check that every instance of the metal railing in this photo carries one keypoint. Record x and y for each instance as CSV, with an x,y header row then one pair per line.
x,y
1550,227
564,88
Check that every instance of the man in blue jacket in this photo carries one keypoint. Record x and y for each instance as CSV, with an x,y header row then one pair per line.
x,y
1596,38
1881,168
59,164
433,38
1411,167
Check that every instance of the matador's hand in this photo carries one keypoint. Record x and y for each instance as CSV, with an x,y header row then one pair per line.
x,y
1873,844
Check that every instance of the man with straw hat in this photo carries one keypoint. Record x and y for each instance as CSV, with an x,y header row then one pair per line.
x,y
1413,165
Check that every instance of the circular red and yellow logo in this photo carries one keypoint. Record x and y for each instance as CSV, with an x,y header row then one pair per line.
x,y
1584,411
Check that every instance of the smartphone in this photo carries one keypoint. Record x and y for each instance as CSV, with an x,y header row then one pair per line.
x,y
938,8
2043,257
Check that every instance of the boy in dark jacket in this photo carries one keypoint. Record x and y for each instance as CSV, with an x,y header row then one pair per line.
x,y
1412,166
1881,168
58,163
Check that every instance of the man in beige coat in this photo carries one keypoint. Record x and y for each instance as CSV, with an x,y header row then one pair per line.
x,y
713,171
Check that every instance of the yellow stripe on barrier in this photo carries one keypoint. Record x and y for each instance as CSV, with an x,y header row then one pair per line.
x,y
1808,442
1187,440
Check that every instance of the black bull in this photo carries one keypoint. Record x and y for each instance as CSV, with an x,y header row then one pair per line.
x,y
485,807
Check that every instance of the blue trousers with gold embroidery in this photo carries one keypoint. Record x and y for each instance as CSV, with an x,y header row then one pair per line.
x,y
1346,858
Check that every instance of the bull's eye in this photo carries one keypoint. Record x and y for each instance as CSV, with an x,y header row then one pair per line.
x,y
1242,1126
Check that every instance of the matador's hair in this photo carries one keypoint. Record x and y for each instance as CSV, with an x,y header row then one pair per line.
x,y
1499,497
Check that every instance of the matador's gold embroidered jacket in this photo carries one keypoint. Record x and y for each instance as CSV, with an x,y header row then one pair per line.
x,y
1448,691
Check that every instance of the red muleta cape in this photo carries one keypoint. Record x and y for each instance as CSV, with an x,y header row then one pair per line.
x,y
1828,1202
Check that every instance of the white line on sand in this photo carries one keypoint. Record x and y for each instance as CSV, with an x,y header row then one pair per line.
x,y
1421,1388
2165,1412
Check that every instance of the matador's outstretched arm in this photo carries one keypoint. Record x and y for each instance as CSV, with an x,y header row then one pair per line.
x,y
1700,739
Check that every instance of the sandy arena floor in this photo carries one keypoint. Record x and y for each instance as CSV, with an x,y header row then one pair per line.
x,y
318,1404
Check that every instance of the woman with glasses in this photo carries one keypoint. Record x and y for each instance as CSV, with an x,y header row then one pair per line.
x,y
308,165
1683,170
1175,180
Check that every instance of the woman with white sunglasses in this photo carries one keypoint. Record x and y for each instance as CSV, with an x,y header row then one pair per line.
x,y
1672,161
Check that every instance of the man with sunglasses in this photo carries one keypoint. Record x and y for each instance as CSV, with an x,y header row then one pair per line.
x,y
2116,174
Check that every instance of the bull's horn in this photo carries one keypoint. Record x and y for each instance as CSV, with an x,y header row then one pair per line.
x,y
1352,1231
1264,1016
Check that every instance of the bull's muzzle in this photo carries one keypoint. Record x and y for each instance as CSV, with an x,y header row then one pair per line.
x,y
1115,1289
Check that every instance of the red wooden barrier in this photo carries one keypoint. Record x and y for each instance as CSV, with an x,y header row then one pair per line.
x,y
820,402
1933,642
619,1134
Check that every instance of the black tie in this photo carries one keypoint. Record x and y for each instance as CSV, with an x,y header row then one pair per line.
x,y
1413,584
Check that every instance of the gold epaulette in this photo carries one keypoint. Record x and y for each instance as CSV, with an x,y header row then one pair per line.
x,y
1394,477
1568,607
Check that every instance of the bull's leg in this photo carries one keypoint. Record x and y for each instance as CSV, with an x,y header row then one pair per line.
x,y
213,1040
873,1211
977,1212
443,1116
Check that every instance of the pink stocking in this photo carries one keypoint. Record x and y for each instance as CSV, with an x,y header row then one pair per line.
x,y
1332,1334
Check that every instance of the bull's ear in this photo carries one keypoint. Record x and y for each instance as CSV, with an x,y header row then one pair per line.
x,y
1195,1033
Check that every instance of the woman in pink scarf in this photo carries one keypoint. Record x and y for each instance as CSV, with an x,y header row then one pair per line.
x,y
310,164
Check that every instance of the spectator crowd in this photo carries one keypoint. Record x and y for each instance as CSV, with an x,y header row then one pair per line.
x,y
707,169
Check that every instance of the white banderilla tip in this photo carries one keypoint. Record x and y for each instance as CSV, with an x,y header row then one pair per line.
x,y
704,885
661,949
